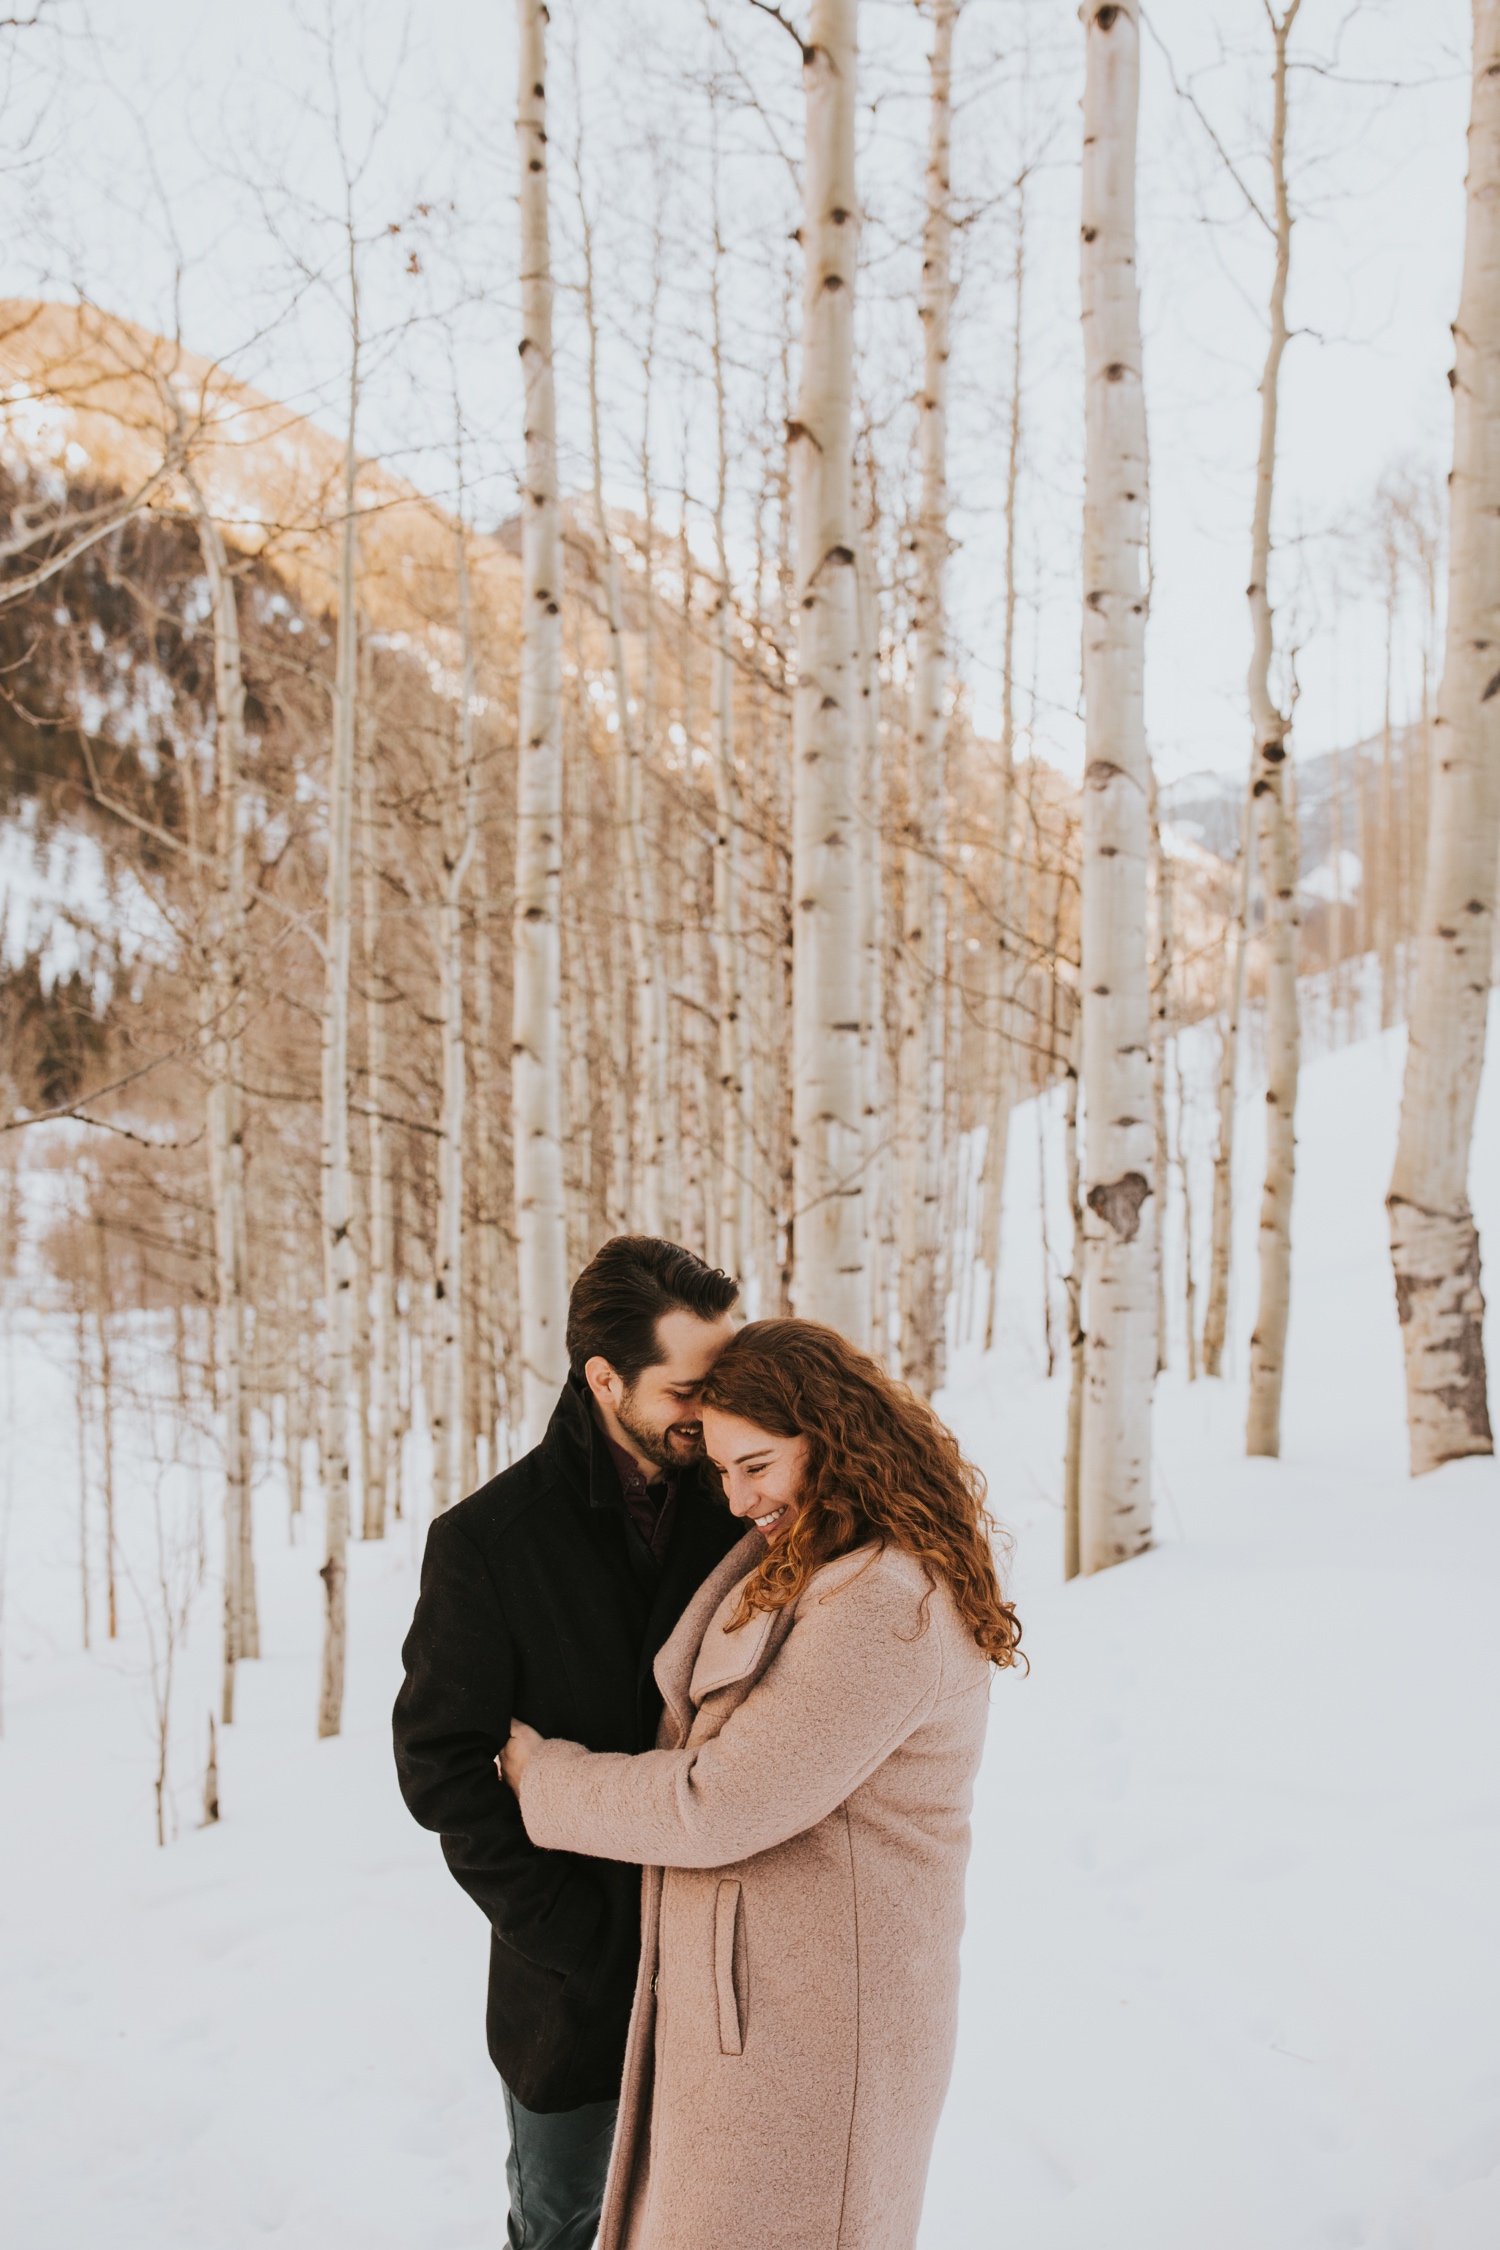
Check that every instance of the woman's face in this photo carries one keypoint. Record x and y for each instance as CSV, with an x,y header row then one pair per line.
x,y
762,1474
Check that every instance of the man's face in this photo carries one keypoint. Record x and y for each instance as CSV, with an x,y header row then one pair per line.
x,y
658,1413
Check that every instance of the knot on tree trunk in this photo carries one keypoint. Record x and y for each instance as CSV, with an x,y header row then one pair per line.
x,y
1118,1203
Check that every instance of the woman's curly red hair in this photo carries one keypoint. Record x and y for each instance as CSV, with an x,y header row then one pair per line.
x,y
880,1466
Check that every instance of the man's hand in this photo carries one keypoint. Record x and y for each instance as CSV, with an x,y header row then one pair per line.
x,y
516,1755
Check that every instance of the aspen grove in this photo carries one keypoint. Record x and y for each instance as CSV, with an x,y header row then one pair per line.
x,y
643,626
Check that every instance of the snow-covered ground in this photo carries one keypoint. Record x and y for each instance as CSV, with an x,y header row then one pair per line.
x,y
1231,1975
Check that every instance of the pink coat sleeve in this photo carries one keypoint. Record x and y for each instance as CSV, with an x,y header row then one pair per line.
x,y
858,1671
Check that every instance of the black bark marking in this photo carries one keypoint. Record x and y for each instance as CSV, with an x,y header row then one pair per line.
x,y
1118,1203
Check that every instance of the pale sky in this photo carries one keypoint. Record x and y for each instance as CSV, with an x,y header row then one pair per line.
x,y
180,139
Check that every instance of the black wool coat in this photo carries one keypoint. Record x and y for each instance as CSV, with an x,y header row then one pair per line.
x,y
541,1601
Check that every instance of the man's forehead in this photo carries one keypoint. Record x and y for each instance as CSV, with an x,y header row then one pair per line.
x,y
689,1346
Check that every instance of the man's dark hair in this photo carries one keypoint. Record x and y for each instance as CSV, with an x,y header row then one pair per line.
x,y
622,1293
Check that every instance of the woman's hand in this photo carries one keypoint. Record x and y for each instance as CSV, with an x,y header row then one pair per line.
x,y
516,1756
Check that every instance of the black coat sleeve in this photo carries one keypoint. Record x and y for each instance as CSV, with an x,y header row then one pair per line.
x,y
451,1717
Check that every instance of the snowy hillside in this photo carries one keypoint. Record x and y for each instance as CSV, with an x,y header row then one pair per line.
x,y
1230,1973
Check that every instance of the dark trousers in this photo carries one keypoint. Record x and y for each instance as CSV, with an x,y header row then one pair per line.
x,y
555,2172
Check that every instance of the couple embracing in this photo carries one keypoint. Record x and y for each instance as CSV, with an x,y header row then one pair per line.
x,y
731,1624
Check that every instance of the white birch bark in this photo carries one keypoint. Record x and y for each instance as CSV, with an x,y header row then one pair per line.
x,y
337,1199
1004,954
830,1241
451,1418
923,1044
487,1340
1278,844
1221,1212
1161,1035
226,1142
1118,1136
877,1088
536,1044
642,1185
106,1431
381,1308
1077,1338
1434,1240
734,1169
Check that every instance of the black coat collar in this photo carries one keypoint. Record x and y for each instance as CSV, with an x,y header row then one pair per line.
x,y
575,1447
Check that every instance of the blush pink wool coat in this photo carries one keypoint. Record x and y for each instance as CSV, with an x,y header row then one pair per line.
x,y
805,1830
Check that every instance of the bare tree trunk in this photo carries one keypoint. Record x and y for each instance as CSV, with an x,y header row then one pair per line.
x,y
536,1048
643,1187
1118,1139
1278,847
1387,903
1161,1039
102,1309
81,1414
451,1420
831,1247
487,1343
337,1199
226,1139
1434,1240
1221,1213
923,1042
1189,1261
877,1093
733,1203
211,1777
1077,1340
378,1221
1004,955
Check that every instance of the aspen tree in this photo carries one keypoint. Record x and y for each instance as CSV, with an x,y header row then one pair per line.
x,y
536,1047
1161,1039
873,945
103,1338
226,1138
925,941
381,1310
1114,1474
1276,835
728,929
642,1179
81,1419
460,839
335,1167
1077,1338
830,1242
1002,956
1434,1240
1221,1208
658,1152
1388,889
487,1343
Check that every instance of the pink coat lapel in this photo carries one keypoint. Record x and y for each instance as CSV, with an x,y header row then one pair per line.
x,y
699,1633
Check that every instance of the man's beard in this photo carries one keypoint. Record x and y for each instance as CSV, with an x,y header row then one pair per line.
x,y
657,1444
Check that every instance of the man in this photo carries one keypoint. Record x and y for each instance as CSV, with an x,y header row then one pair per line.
x,y
545,1597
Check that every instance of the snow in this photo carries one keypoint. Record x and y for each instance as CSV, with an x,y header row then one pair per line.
x,y
1230,1975
60,899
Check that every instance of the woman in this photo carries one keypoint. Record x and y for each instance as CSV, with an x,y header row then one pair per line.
x,y
804,1822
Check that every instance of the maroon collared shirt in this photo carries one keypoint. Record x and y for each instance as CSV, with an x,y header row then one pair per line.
x,y
651,1505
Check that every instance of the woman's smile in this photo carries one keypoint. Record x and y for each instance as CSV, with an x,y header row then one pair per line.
x,y
761,1474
